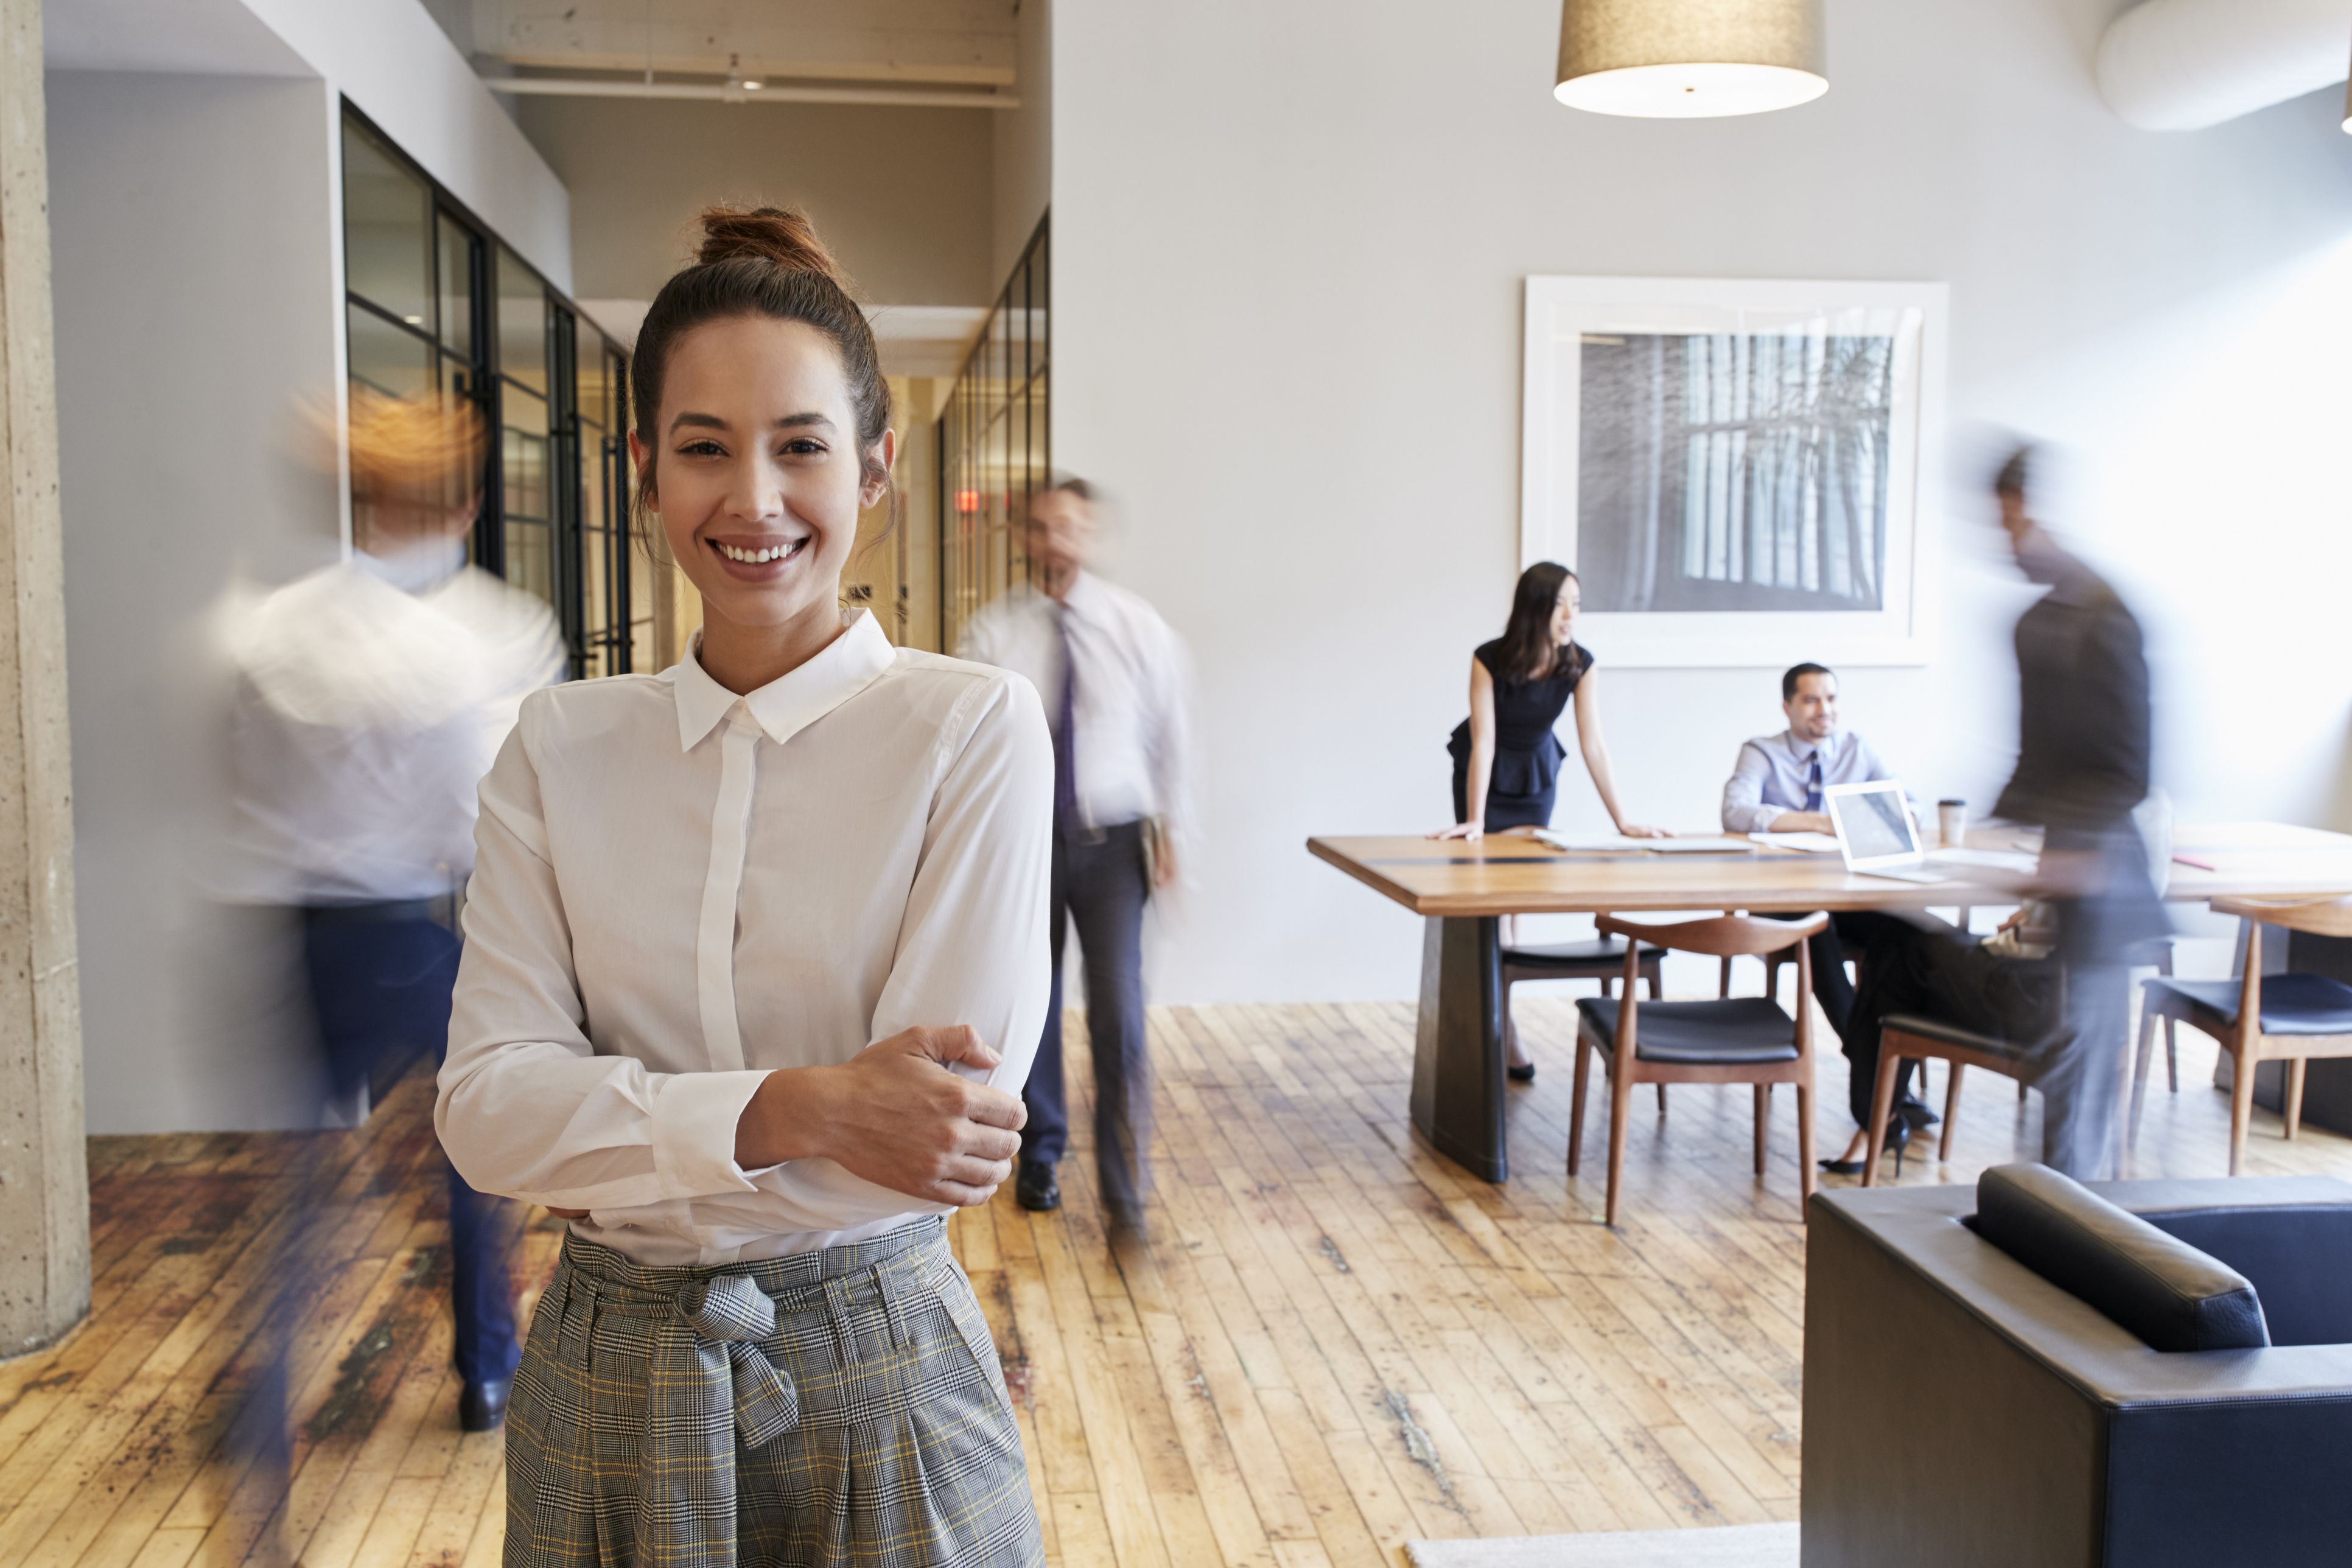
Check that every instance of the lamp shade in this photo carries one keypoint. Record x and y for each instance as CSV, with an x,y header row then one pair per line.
x,y
1689,59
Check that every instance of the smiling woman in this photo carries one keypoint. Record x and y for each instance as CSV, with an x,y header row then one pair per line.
x,y
755,967
762,429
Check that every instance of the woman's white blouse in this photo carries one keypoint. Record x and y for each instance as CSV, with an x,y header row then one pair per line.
x,y
677,890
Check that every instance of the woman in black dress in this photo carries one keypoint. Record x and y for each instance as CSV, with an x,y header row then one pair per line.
x,y
1506,756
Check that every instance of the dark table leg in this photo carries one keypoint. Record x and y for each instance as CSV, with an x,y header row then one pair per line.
x,y
1457,1057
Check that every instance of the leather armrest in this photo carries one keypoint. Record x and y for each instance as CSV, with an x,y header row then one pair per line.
x,y
2293,1240
2170,1294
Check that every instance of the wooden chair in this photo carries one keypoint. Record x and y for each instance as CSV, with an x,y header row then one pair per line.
x,y
2257,1018
1599,959
1744,1039
1906,1037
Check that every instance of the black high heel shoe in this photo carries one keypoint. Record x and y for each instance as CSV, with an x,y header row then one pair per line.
x,y
1523,1073
1898,1138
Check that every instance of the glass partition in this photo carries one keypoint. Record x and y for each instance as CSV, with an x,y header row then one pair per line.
x,y
523,323
457,263
995,445
607,572
528,509
435,301
395,363
387,231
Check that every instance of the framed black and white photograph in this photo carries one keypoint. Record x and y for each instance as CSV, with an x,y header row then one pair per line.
x,y
1736,470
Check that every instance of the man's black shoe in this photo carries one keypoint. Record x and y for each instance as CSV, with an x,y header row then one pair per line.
x,y
482,1407
1036,1189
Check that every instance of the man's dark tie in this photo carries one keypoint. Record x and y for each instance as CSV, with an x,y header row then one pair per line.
x,y
1065,766
1813,785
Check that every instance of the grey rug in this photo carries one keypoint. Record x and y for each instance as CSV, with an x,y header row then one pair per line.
x,y
1739,1546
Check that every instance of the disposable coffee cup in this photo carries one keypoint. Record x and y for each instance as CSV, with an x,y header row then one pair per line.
x,y
1952,821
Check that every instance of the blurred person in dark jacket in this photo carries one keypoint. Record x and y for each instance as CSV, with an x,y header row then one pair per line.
x,y
2054,980
2083,743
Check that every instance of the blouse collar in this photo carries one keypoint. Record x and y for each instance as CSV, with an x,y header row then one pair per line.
x,y
791,703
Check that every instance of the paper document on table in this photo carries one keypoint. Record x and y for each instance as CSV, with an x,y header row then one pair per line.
x,y
1811,843
1708,846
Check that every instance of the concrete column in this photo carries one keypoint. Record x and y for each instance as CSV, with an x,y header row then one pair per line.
x,y
44,1177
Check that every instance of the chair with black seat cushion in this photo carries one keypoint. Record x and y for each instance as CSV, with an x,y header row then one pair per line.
x,y
1601,959
1740,1040
2258,1017
1908,1036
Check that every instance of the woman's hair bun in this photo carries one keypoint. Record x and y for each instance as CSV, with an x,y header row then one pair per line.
x,y
781,234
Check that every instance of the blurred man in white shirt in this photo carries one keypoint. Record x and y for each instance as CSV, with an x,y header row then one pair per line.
x,y
1113,677
373,697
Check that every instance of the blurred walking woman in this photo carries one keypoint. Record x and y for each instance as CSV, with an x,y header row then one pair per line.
x,y
1505,755
755,963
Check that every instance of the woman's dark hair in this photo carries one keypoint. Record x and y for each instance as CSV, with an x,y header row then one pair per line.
x,y
1527,652
766,261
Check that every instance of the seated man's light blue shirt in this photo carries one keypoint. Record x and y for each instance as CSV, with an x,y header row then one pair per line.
x,y
1775,773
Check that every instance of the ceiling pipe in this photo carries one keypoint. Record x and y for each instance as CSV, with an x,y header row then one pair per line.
x,y
766,92
2183,65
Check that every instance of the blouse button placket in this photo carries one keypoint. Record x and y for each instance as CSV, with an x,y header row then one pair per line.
x,y
714,948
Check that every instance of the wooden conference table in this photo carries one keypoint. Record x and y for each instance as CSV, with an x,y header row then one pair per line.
x,y
1462,889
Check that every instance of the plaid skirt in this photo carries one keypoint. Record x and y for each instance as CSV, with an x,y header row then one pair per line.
x,y
843,1406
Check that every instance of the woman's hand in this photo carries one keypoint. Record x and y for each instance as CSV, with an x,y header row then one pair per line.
x,y
1636,830
1470,831
895,1115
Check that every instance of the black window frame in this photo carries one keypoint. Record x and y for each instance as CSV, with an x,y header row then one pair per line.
x,y
1005,392
484,380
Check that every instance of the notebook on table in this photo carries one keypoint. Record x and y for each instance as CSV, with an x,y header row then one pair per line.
x,y
1708,845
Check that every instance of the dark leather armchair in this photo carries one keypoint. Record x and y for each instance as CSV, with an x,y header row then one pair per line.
x,y
1983,1381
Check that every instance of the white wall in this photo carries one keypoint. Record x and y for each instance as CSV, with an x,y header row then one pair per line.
x,y
1023,141
901,194
191,219
194,151
391,59
1288,250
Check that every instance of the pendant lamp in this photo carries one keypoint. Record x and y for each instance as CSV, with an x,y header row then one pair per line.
x,y
1691,59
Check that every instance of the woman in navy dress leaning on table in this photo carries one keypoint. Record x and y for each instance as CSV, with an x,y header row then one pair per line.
x,y
1505,755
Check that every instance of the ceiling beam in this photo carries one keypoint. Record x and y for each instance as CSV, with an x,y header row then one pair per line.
x,y
964,43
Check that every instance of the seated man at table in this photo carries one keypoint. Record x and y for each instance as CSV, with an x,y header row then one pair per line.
x,y
1778,786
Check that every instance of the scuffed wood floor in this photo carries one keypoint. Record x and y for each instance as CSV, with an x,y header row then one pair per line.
x,y
1336,1341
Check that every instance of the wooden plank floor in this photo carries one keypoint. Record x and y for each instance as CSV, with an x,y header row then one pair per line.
x,y
1335,1341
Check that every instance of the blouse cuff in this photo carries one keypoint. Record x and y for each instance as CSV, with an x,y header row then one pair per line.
x,y
694,1119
